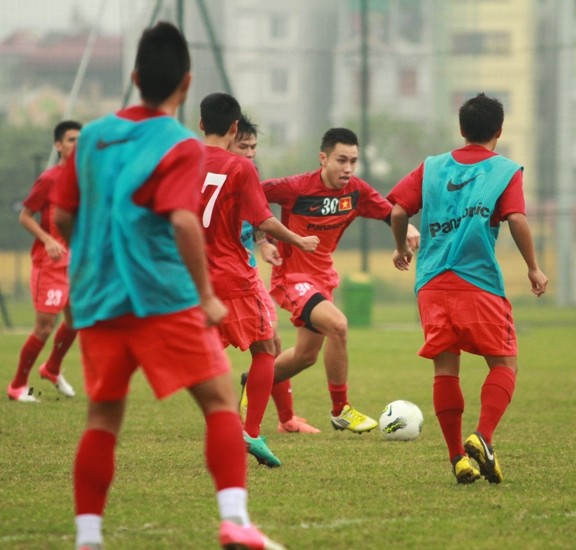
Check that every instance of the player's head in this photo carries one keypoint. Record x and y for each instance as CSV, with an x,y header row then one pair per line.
x,y
219,114
162,64
335,136
338,157
65,137
246,140
481,119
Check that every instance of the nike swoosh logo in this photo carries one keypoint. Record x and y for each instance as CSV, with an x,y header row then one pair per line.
x,y
314,208
457,186
101,144
489,454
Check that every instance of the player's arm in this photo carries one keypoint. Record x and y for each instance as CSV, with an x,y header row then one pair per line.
x,y
399,223
190,242
268,250
522,236
53,248
279,231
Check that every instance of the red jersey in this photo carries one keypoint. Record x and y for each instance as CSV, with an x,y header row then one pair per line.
x,y
231,193
408,191
167,189
38,200
311,208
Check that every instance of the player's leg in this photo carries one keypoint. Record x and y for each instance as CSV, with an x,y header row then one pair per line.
x,y
51,369
449,408
258,389
226,461
495,396
332,323
18,389
94,468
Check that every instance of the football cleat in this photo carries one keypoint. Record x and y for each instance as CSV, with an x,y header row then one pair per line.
x,y
23,394
60,383
353,420
297,425
483,453
243,407
257,447
245,537
463,470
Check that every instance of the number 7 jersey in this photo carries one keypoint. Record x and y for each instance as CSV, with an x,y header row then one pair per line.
x,y
231,193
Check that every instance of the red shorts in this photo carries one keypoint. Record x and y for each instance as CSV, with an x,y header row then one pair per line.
x,y
248,321
174,351
295,295
267,299
474,321
49,288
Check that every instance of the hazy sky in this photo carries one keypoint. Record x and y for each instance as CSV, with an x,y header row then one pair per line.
x,y
55,14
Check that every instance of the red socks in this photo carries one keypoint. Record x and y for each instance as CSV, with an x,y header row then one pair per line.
x,y
225,450
449,408
495,397
93,471
28,355
258,389
63,339
339,396
282,395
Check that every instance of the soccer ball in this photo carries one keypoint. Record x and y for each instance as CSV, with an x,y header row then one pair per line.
x,y
401,421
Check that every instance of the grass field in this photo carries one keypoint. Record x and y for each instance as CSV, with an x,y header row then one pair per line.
x,y
336,490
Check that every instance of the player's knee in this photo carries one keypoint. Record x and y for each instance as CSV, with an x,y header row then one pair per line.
x,y
339,329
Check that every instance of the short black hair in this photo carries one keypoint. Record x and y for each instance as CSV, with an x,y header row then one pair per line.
x,y
218,111
335,136
481,118
62,127
162,61
246,128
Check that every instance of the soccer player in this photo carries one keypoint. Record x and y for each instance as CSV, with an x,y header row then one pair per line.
x,y
49,279
245,144
325,202
232,193
464,196
141,293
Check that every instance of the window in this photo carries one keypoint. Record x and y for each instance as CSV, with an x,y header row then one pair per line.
x,y
408,82
278,26
279,81
481,43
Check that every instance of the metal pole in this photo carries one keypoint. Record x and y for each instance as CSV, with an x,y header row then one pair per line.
x,y
364,128
79,75
565,199
180,19
215,47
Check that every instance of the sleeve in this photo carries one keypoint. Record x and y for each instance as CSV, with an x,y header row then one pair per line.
x,y
408,191
176,182
39,194
372,204
65,192
512,200
280,190
255,210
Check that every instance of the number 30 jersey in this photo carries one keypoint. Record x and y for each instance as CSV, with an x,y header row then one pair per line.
x,y
311,208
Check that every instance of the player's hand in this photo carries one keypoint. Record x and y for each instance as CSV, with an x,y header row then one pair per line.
x,y
401,259
539,282
214,309
54,249
269,253
413,238
309,243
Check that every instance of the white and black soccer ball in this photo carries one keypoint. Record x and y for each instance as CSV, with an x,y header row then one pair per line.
x,y
401,420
